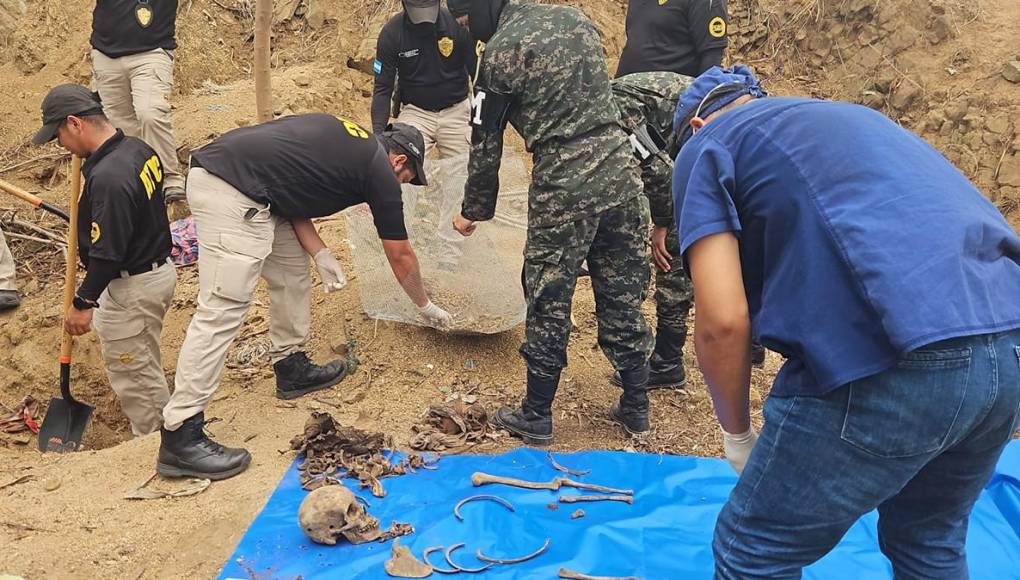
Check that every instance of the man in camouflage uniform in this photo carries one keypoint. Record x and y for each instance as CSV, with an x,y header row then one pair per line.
x,y
647,103
543,70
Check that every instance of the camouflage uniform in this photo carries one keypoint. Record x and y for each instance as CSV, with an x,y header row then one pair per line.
x,y
584,201
649,99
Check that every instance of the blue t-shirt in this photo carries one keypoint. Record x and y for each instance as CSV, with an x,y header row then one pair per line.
x,y
858,241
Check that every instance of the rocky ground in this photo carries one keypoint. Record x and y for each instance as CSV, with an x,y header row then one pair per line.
x,y
945,69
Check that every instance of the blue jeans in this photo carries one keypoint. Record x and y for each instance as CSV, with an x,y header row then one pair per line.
x,y
918,442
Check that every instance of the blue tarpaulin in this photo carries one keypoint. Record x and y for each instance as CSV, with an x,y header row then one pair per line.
x,y
666,533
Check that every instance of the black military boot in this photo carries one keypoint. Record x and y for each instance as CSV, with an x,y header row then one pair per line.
x,y
296,375
666,365
632,410
532,421
187,452
9,299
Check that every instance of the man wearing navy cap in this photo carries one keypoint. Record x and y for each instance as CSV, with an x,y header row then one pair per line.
x,y
892,287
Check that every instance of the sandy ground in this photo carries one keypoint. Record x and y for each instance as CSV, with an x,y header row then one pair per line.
x,y
934,65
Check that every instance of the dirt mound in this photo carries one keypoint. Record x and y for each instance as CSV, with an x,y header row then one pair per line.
x,y
941,68
936,66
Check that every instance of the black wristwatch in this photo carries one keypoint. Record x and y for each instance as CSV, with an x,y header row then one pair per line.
x,y
80,303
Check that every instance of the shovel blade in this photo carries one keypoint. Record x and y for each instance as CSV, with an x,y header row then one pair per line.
x,y
63,426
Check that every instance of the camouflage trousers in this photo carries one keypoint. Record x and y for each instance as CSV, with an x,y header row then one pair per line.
x,y
673,292
613,242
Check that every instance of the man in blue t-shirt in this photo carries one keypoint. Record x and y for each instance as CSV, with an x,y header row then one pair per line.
x,y
890,284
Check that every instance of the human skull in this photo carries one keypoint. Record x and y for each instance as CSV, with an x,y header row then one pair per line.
x,y
332,511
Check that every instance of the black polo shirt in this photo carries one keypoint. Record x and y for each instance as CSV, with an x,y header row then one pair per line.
x,y
125,27
121,214
670,35
306,166
432,61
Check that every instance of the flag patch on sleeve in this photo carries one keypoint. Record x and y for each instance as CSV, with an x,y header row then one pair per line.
x,y
377,66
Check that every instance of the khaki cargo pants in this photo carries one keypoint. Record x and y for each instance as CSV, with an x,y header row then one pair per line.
x,y
129,322
449,133
134,90
239,240
7,270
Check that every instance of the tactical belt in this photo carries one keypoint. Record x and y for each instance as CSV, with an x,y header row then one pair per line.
x,y
145,269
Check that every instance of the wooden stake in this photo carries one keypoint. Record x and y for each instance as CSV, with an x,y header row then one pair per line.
x,y
263,83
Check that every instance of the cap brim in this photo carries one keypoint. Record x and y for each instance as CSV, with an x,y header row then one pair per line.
x,y
419,172
46,134
419,14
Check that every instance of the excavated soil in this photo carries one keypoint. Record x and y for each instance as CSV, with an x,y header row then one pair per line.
x,y
939,67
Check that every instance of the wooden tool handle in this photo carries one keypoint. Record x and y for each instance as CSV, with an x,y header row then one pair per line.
x,y
478,478
20,193
71,273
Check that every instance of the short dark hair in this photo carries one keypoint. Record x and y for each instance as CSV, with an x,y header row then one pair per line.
x,y
95,119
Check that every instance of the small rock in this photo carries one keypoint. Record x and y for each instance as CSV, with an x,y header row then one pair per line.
x,y
302,80
940,30
1009,172
577,514
873,99
553,506
338,345
241,122
998,124
52,484
1011,71
957,111
126,549
904,95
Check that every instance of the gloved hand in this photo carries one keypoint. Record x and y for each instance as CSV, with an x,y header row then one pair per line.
x,y
738,448
435,314
330,271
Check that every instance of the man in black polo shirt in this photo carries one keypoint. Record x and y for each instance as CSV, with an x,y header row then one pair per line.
x,y
430,56
132,69
686,37
253,193
124,240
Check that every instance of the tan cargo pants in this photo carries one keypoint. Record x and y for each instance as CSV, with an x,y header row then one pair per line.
x,y
129,322
449,133
7,269
233,252
449,130
134,90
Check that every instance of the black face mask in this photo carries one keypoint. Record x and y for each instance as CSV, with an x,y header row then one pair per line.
x,y
484,18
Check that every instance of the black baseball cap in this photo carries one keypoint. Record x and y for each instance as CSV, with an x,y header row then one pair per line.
x,y
409,140
458,7
61,101
420,11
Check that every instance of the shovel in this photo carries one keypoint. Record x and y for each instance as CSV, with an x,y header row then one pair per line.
x,y
66,418
32,199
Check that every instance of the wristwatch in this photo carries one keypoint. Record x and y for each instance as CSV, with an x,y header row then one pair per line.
x,y
80,303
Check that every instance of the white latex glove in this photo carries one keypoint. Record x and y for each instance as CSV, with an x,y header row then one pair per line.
x,y
330,270
738,448
435,314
